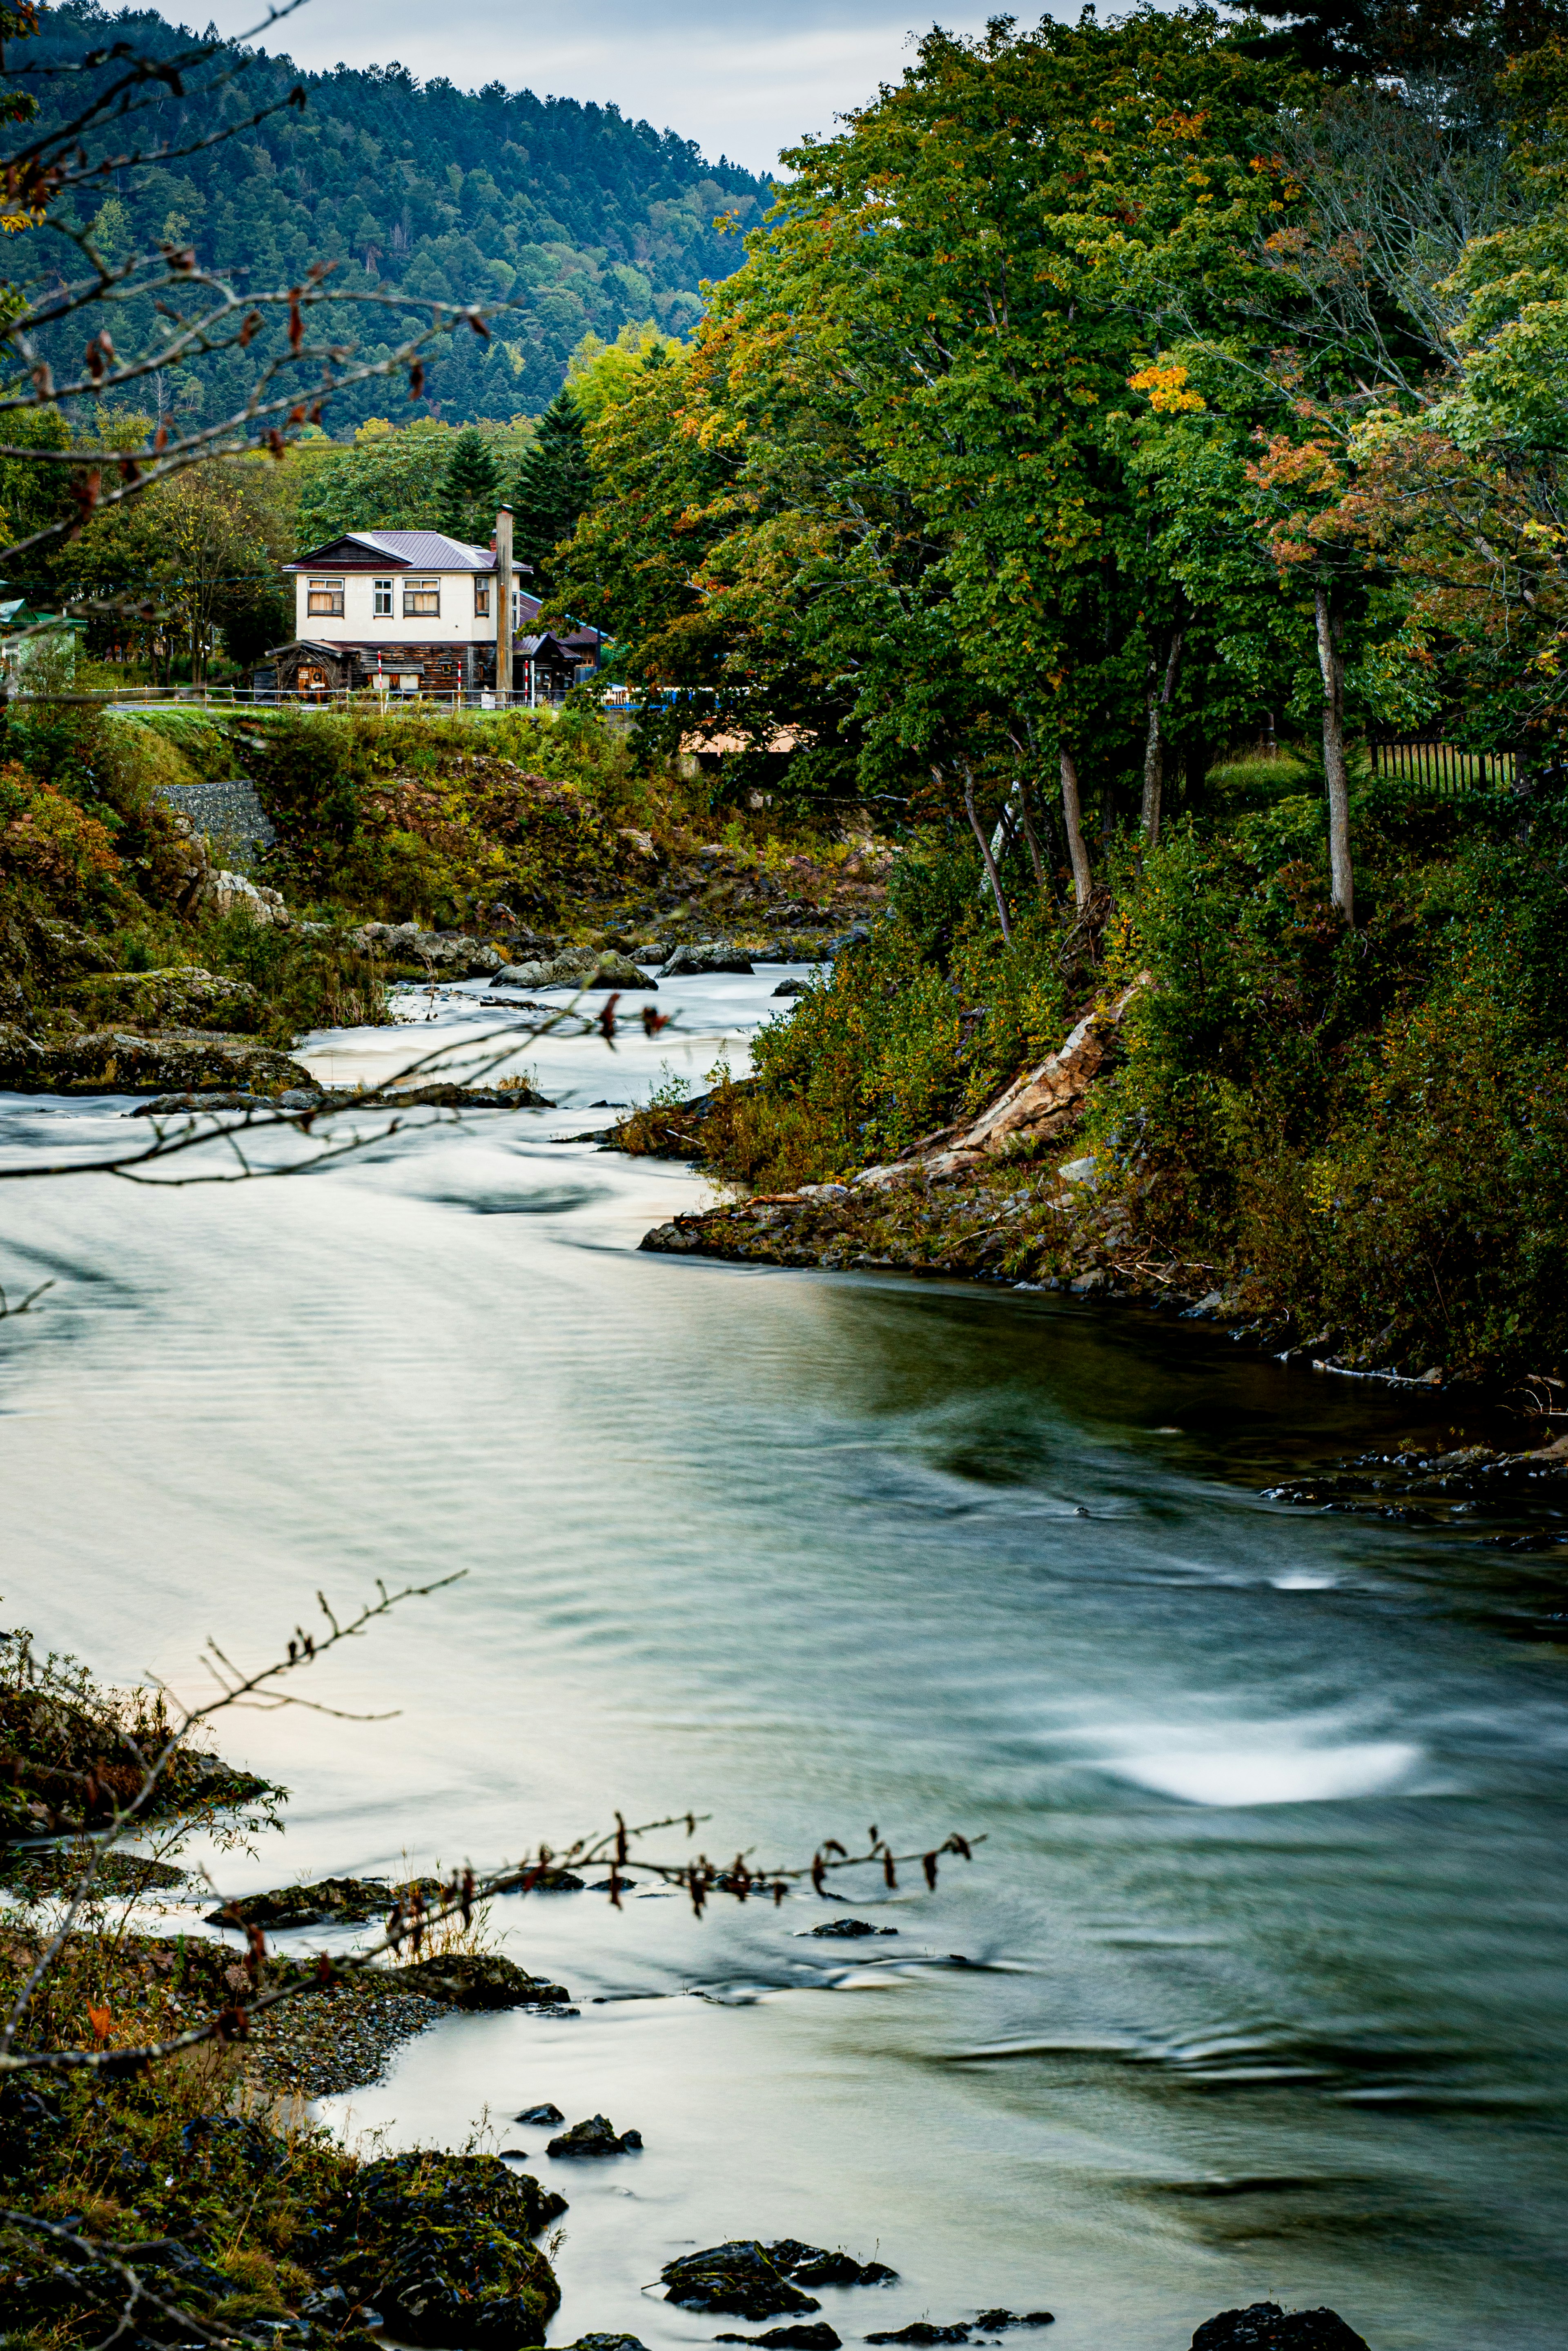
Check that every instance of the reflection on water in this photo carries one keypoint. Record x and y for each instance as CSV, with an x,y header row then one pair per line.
x,y
1260,1987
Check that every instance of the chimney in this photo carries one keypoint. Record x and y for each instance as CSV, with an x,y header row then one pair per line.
x,y
503,546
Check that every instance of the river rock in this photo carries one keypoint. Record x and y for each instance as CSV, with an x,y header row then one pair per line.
x,y
441,2249
793,987
707,955
583,967
848,1929
596,2137
1265,2326
453,954
118,1061
921,2330
738,2277
347,1901
808,2337
542,2116
477,1980
607,2342
183,995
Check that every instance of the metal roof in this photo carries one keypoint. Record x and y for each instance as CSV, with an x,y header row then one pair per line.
x,y
417,550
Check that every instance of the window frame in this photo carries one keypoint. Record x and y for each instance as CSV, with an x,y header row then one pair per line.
x,y
421,599
481,595
382,600
323,599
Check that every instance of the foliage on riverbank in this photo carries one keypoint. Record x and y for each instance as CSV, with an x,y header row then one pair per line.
x,y
1359,1136
515,832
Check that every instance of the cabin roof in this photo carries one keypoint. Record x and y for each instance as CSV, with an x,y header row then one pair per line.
x,y
402,550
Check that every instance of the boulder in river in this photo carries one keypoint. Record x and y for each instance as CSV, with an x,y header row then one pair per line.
x,y
542,2116
596,2137
119,1061
1265,2326
793,987
921,2330
849,1929
738,2277
819,2336
477,1980
586,969
707,955
439,2248
347,1901
606,2343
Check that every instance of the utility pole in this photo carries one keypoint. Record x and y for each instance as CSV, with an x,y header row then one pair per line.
x,y
503,607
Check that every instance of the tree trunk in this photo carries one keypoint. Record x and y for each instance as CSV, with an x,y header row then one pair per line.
x,y
1043,879
992,875
1341,882
1154,743
1072,821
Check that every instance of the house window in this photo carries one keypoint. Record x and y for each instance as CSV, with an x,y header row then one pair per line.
x,y
325,597
481,598
382,599
420,600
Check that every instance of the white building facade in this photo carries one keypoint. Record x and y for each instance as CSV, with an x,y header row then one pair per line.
x,y
404,611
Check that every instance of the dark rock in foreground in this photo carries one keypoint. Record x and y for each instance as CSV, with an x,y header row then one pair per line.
x,y
348,1901
1265,2326
820,2338
738,2277
606,2343
118,1061
849,1927
440,2250
757,2280
596,2137
921,2330
477,1980
542,2116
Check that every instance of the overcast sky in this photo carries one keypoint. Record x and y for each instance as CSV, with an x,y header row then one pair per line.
x,y
743,78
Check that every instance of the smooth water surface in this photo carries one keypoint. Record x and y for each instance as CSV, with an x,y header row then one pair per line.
x,y
1261,1988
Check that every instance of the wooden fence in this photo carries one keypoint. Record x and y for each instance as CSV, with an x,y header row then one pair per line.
x,y
1441,769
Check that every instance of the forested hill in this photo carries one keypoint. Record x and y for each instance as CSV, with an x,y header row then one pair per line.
x,y
582,219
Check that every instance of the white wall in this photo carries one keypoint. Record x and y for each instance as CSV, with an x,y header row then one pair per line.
x,y
358,622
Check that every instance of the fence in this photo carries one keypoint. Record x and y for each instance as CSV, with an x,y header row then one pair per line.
x,y
1441,769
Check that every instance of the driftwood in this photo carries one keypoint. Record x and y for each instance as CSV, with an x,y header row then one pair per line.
x,y
1036,1108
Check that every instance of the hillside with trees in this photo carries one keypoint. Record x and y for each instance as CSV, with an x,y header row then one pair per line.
x,y
575,219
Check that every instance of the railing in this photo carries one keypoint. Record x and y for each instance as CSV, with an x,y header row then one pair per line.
x,y
1439,768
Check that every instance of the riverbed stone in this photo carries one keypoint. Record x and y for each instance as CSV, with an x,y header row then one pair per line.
x,y
738,2277
441,2246
706,956
596,2137
811,2336
119,1061
1265,2326
478,1979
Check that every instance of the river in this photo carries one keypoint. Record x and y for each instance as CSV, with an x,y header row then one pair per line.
x,y
1263,1990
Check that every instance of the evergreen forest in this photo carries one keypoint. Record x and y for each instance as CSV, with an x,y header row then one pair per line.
x,y
573,218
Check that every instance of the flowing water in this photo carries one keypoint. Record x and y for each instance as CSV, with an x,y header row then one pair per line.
x,y
1254,1986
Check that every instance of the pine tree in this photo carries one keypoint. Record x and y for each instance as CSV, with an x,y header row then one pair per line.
x,y
470,489
552,487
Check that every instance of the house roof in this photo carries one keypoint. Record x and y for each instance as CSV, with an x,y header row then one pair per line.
x,y
406,550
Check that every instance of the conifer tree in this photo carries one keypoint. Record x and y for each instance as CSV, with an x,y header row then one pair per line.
x,y
553,485
470,489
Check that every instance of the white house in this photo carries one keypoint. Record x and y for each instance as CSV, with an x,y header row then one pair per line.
x,y
411,612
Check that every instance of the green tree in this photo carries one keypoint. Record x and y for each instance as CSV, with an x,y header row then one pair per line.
x,y
553,486
470,489
386,480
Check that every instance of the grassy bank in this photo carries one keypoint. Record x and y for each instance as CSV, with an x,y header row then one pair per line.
x,y
198,2173
1356,1138
492,837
